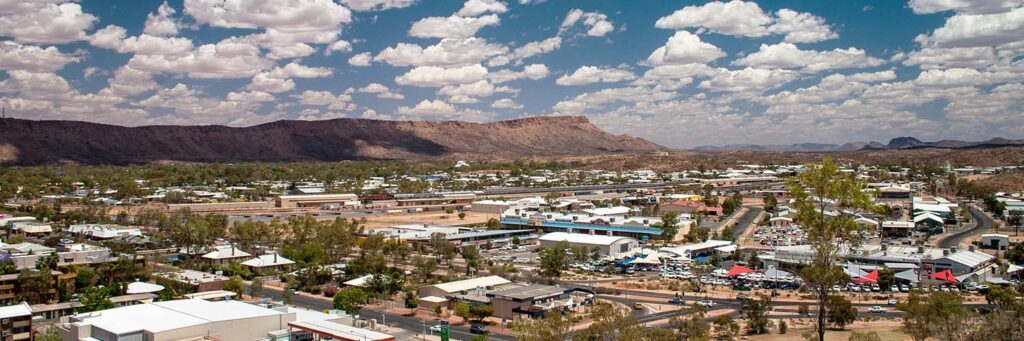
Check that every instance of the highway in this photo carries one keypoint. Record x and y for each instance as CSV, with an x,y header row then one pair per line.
x,y
982,222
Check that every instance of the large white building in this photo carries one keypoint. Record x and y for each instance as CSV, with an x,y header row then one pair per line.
x,y
614,246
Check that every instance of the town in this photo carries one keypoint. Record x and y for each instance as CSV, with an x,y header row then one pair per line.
x,y
507,251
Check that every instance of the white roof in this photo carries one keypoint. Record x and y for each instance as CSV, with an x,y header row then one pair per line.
x,y
226,252
582,238
170,315
16,310
358,282
927,215
340,331
433,299
473,283
931,207
615,210
970,258
143,288
270,259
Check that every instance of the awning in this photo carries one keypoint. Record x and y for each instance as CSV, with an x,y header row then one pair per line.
x,y
946,275
869,278
909,276
738,270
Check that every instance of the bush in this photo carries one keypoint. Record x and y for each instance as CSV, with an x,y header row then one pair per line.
x,y
783,327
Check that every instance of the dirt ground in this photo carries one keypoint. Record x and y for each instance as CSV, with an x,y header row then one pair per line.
x,y
429,218
887,331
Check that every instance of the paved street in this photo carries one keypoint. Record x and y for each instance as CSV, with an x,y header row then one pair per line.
x,y
982,223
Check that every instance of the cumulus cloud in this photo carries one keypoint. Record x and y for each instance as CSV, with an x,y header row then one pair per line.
x,y
447,52
279,79
342,101
537,47
229,58
376,5
974,30
591,74
451,27
161,23
741,18
15,56
338,46
434,109
361,59
684,48
44,21
506,103
532,71
596,23
788,56
381,91
963,6
748,80
475,8
434,76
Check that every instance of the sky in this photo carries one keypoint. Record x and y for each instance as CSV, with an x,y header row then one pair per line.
x,y
678,73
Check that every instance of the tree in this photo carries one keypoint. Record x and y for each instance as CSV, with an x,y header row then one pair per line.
x,y
669,225
755,313
817,191
886,278
480,311
783,327
350,300
462,215
424,267
256,288
611,323
462,310
696,327
493,224
937,314
770,203
840,311
235,285
471,254
48,333
554,326
554,260
726,328
803,309
94,299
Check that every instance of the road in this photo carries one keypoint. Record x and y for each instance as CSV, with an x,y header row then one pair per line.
x,y
982,223
746,220
393,319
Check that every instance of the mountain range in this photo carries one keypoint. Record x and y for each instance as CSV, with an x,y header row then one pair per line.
x,y
905,142
29,142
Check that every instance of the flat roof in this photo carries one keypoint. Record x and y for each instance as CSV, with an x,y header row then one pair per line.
x,y
530,291
488,233
472,283
339,331
16,310
583,238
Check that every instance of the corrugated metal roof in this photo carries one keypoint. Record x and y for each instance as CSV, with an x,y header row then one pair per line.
x,y
970,258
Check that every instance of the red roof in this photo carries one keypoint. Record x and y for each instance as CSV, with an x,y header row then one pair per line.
x,y
946,275
869,278
738,270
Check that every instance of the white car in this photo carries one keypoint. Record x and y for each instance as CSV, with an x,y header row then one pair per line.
x,y
876,309
706,303
436,328
893,301
894,288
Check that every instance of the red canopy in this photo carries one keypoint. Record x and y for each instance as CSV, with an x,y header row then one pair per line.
x,y
870,278
738,270
946,275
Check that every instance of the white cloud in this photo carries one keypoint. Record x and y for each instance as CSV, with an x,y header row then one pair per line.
x,y
738,18
161,23
263,82
44,21
130,82
434,76
229,58
958,57
381,91
748,80
297,70
376,5
788,56
475,8
596,23
115,38
963,6
684,48
973,30
327,99
532,71
338,46
597,99
835,87
451,27
279,80
741,18
250,96
468,93
15,56
506,103
447,52
801,27
428,107
361,59
591,74
537,47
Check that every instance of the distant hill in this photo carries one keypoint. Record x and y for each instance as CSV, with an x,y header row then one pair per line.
x,y
28,142
905,142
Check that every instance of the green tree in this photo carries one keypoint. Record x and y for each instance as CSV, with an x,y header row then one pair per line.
x,y
256,288
350,300
755,313
554,326
770,203
94,299
480,311
554,260
471,254
840,311
695,328
886,278
235,285
937,314
462,310
816,192
669,225
48,333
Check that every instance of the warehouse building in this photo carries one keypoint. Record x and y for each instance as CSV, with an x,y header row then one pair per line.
x,y
319,201
613,246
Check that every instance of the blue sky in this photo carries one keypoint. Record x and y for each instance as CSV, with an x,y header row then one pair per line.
x,y
678,73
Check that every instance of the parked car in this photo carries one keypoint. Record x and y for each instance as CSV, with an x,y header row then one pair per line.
x,y
893,301
894,288
638,305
